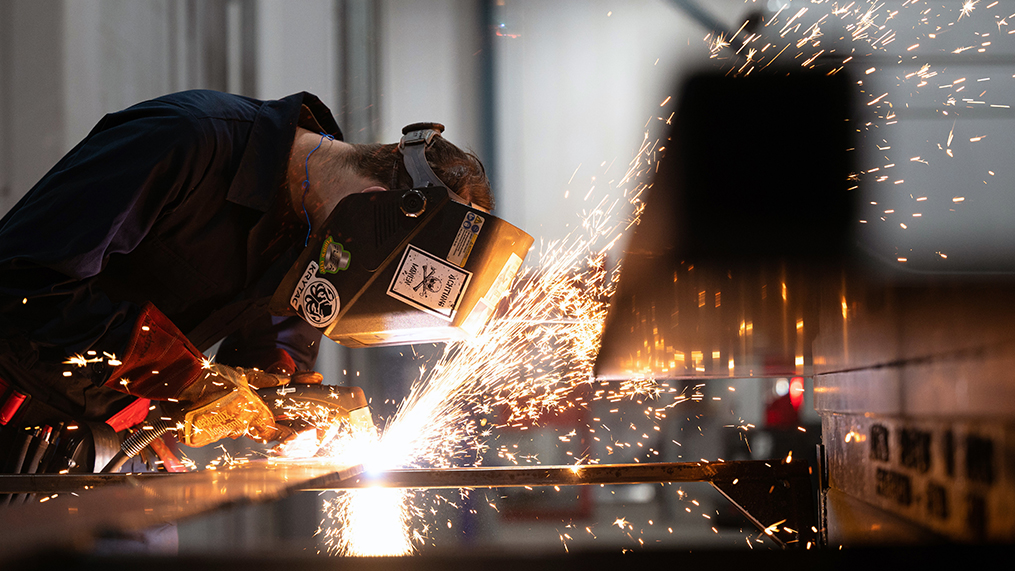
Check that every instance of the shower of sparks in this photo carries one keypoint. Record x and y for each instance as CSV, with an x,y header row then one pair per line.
x,y
532,358
517,362
527,361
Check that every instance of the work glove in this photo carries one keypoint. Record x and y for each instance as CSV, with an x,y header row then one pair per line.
x,y
221,403
212,401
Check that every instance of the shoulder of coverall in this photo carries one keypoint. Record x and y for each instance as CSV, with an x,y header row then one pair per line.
x,y
304,109
273,128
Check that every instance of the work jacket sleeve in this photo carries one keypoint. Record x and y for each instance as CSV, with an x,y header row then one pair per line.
x,y
100,200
280,345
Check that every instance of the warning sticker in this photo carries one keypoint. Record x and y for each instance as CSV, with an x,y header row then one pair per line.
x,y
429,283
315,298
466,238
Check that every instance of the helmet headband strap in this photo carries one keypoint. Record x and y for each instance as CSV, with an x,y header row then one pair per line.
x,y
416,138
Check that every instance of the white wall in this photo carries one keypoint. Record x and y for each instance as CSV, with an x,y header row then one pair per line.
x,y
577,83
33,113
429,68
68,62
296,49
116,53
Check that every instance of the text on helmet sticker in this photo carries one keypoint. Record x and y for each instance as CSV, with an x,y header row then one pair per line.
x,y
429,283
465,239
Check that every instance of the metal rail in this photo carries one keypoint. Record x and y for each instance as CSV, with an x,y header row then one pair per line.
x,y
68,515
775,496
578,475
481,477
778,498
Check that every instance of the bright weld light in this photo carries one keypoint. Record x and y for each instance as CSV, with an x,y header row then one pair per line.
x,y
375,465
372,523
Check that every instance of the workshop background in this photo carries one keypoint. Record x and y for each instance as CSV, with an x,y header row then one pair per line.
x,y
555,97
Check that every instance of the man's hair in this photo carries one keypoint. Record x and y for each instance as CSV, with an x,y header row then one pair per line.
x,y
461,171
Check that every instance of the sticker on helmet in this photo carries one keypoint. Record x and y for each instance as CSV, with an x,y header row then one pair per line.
x,y
334,257
466,238
315,298
429,283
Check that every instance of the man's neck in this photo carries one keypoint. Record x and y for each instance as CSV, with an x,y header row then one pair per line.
x,y
303,172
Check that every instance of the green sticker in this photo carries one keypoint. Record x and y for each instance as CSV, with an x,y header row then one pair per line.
x,y
334,257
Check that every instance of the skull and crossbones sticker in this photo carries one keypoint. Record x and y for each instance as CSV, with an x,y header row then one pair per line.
x,y
429,283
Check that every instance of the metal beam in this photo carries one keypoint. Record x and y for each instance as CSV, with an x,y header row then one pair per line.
x,y
775,496
581,475
480,477
73,516
778,498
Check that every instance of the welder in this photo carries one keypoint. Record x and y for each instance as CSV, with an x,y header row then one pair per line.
x,y
168,229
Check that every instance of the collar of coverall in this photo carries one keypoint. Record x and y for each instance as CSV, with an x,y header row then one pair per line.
x,y
262,167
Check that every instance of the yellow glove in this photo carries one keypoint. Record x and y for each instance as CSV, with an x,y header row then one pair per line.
x,y
221,404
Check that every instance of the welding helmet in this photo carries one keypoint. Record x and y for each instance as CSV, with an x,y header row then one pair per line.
x,y
414,265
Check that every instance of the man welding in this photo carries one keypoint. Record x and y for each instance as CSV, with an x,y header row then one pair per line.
x,y
177,222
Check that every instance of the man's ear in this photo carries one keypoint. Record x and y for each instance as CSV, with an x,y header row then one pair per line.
x,y
374,189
